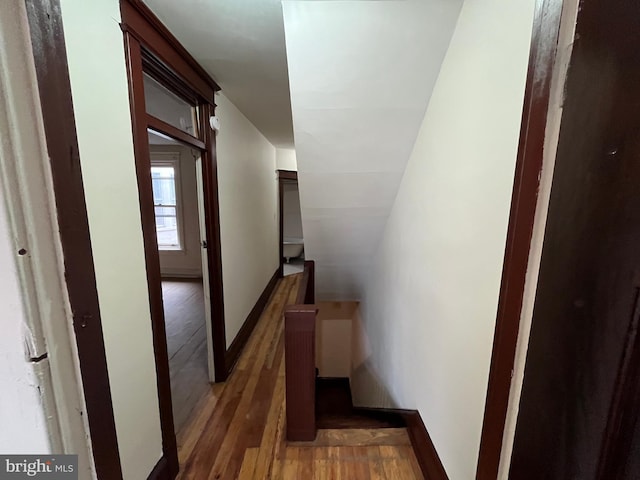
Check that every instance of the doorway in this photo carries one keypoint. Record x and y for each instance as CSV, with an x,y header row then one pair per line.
x,y
178,203
172,97
291,236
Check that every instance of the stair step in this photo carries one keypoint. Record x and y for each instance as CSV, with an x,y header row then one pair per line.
x,y
334,409
358,437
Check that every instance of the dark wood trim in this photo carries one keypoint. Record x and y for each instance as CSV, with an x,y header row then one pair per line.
x,y
280,228
623,411
154,123
306,290
235,349
161,471
162,73
152,258
50,57
214,246
524,198
425,451
288,175
141,22
283,175
148,43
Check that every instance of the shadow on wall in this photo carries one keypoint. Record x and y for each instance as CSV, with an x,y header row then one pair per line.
x,y
343,350
367,390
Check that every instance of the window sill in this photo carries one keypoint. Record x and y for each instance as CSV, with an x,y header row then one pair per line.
x,y
172,251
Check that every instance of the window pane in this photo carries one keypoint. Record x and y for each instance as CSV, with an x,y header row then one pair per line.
x,y
165,105
165,211
164,185
164,199
167,232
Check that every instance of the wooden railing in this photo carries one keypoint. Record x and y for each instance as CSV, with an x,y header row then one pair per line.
x,y
307,290
300,368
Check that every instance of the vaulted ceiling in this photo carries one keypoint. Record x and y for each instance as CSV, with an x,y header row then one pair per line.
x,y
361,75
357,76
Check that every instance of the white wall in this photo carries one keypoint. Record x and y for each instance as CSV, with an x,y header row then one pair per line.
x,y
24,428
247,189
101,103
188,261
333,338
286,159
430,305
291,215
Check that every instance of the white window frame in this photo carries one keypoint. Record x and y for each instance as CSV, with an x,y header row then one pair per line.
x,y
172,159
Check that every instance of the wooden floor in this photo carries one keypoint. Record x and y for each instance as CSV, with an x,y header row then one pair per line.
x,y
187,347
238,428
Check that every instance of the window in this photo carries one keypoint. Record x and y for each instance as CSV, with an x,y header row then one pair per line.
x,y
164,178
168,107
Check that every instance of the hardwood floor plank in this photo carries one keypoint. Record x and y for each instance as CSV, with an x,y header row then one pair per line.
x,y
248,464
191,432
269,444
361,467
231,438
320,469
409,454
290,469
406,470
305,463
215,429
183,302
376,469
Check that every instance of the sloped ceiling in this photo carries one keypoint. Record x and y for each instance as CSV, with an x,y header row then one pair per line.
x,y
241,44
360,75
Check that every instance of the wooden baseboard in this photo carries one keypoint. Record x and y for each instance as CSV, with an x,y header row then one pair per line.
x,y
182,278
423,447
235,349
161,471
181,273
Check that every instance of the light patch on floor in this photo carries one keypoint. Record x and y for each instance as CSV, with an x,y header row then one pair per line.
x,y
296,265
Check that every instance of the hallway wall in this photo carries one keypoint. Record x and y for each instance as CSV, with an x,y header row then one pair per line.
x,y
430,304
248,192
291,215
286,159
97,65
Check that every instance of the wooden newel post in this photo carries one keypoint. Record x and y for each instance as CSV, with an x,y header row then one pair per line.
x,y
300,346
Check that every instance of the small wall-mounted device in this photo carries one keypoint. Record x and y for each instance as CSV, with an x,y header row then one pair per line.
x,y
215,123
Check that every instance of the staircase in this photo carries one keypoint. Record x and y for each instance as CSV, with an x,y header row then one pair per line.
x,y
335,410
320,411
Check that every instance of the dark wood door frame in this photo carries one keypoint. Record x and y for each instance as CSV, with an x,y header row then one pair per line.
x,y
150,48
283,177
50,57
524,198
